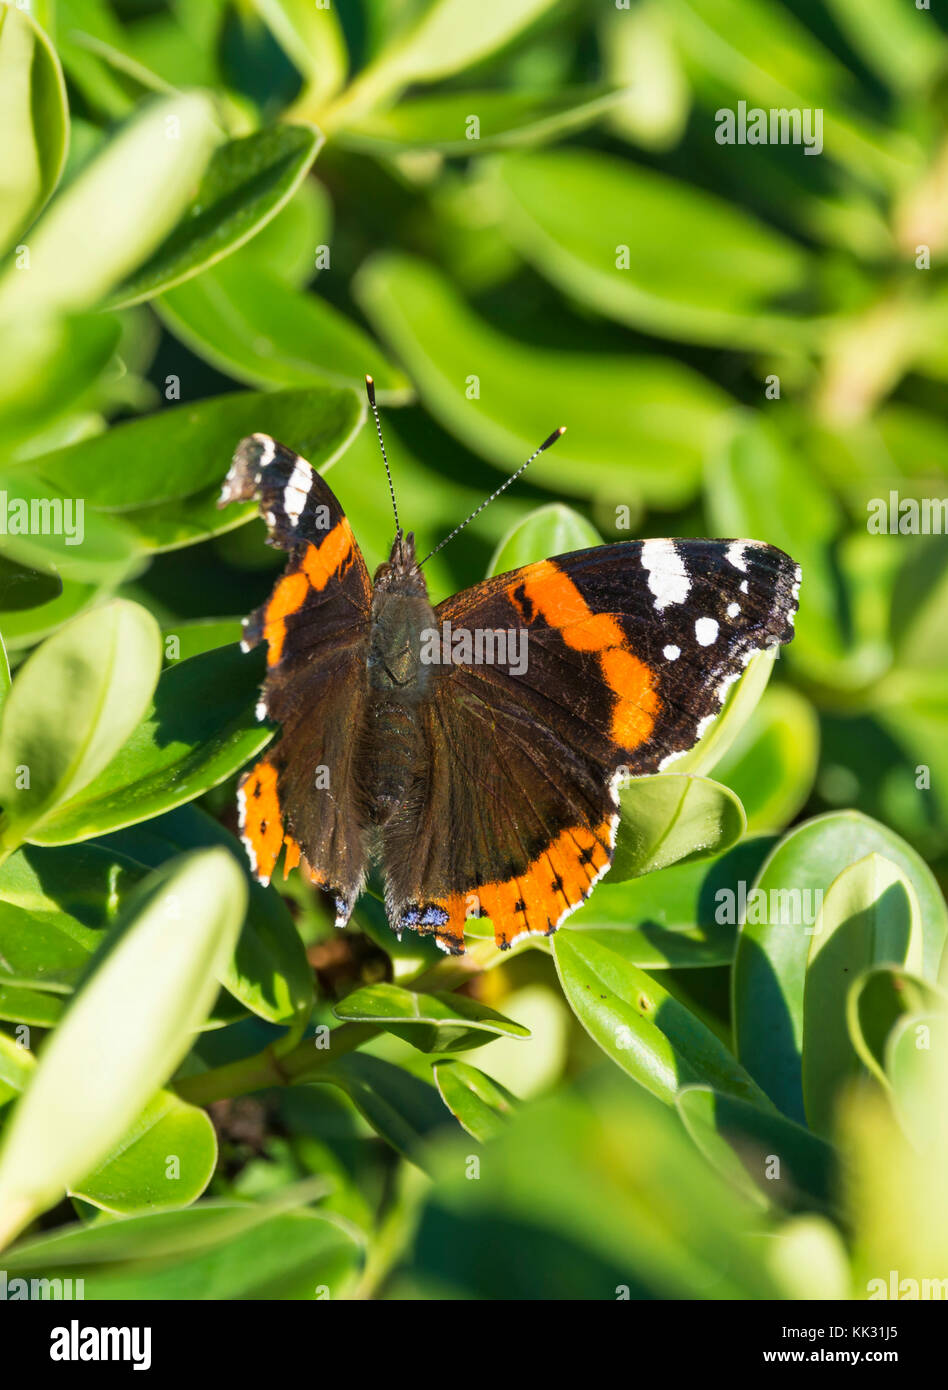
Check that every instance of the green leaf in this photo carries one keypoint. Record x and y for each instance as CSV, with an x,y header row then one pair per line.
x,y
441,122
440,1022
198,635
739,706
591,1193
58,601
638,426
551,530
245,184
269,972
166,1159
29,1006
247,321
126,1031
47,368
313,40
668,818
54,906
146,177
773,945
199,730
773,761
447,37
757,486
72,706
648,250
870,915
47,529
684,916
16,1068
760,1152
288,243
756,52
184,452
403,1110
35,119
480,1105
877,1000
4,675
904,47
640,1026
915,1066
214,1250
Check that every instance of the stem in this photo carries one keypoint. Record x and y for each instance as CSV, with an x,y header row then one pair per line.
x,y
268,1069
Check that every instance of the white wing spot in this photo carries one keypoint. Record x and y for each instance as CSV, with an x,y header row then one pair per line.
x,y
667,576
735,555
297,490
671,653
733,609
706,631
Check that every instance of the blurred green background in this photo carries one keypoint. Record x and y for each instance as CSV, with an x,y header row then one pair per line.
x,y
217,217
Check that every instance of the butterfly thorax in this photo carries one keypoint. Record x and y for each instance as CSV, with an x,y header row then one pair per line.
x,y
401,614
398,682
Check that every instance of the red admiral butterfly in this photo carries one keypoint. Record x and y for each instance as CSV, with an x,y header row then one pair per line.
x,y
484,787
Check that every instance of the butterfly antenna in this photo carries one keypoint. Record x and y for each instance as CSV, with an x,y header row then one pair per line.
x,y
370,392
503,488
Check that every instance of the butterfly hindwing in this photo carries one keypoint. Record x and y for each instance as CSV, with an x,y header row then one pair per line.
x,y
630,650
302,793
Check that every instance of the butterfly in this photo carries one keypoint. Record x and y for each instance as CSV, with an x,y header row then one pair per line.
x,y
474,749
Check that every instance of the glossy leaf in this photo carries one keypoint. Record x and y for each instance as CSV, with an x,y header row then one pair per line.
x,y
247,321
667,819
765,1155
67,535
35,119
640,1026
480,1105
313,39
199,730
219,1249
644,248
637,427
870,915
47,367
878,999
245,184
915,1066
4,674
773,761
447,37
431,1022
125,1033
29,1006
403,1110
551,530
739,706
146,177
185,451
774,941
166,1159
683,916
16,1068
71,708
442,122
268,972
